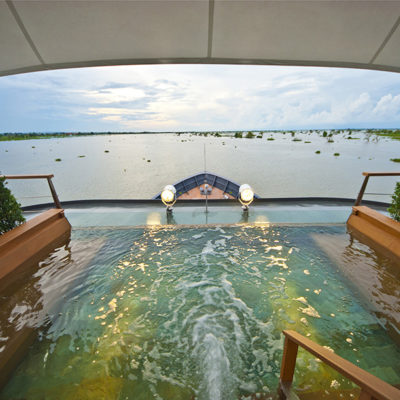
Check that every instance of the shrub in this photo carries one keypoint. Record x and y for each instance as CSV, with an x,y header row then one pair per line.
x,y
250,135
238,135
395,159
394,209
10,212
318,152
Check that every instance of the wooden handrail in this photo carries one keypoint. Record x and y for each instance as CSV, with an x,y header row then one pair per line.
x,y
371,386
381,173
364,184
43,176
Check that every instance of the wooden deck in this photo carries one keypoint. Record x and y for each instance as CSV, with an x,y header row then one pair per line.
x,y
195,194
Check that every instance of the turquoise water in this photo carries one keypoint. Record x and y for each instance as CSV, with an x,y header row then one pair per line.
x,y
194,312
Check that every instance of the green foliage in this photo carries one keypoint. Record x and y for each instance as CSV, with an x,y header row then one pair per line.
x,y
58,159
395,159
250,135
336,154
318,152
390,133
10,212
238,135
394,209
325,134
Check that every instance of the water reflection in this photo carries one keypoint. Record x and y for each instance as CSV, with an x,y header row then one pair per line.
x,y
183,313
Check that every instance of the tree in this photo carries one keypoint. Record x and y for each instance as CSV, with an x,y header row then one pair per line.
x,y
10,211
394,209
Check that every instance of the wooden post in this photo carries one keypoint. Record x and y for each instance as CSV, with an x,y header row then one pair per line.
x,y
53,192
288,365
365,396
372,388
362,190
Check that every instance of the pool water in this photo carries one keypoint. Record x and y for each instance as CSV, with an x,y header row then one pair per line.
x,y
171,312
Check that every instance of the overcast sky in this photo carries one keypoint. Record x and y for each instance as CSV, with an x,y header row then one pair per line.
x,y
198,97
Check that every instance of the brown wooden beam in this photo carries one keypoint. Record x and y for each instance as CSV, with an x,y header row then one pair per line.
x,y
370,384
381,173
45,176
49,181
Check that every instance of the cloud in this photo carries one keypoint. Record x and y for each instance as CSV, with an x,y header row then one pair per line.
x,y
198,97
388,106
360,104
114,95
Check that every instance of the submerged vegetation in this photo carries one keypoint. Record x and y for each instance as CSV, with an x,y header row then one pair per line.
x,y
367,134
250,135
390,133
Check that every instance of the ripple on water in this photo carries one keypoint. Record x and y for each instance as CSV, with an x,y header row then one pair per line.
x,y
198,312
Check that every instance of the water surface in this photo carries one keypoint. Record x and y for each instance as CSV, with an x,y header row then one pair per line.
x,y
139,166
194,312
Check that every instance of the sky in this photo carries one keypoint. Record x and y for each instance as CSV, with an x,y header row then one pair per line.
x,y
198,98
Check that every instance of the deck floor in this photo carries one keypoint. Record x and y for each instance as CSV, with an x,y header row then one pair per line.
x,y
195,194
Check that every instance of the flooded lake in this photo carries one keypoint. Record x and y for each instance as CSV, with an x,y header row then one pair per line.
x,y
138,166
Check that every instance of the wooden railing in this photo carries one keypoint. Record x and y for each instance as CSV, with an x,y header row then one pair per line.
x,y
371,387
364,185
48,177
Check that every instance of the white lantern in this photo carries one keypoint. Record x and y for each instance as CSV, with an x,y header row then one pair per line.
x,y
168,196
246,195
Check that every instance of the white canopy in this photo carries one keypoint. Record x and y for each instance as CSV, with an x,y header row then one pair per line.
x,y
39,35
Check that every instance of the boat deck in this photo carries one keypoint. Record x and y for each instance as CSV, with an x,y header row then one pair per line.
x,y
198,193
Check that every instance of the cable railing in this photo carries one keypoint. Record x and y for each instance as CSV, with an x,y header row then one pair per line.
x,y
372,388
364,184
49,181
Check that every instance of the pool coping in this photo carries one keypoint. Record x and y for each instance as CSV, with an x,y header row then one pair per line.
x,y
89,203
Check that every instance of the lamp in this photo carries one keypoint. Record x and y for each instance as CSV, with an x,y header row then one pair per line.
x,y
246,196
168,197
